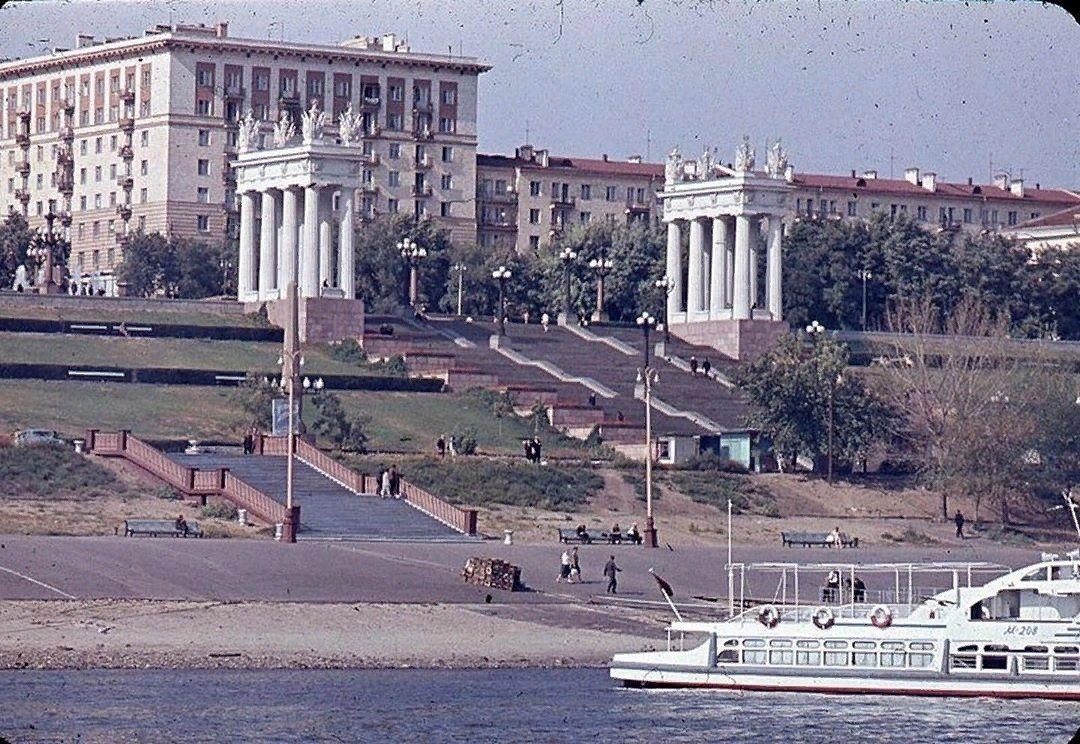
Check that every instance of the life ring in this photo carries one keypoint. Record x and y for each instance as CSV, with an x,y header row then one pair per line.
x,y
881,616
769,616
824,618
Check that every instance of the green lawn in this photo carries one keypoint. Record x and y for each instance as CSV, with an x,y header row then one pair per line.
x,y
119,351
112,314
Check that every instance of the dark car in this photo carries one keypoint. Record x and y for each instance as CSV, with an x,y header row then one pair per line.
x,y
28,437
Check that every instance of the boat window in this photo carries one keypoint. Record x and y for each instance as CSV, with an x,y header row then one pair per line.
x,y
779,657
864,644
808,644
979,611
1066,664
893,659
1066,650
780,644
835,644
808,657
1035,662
730,656
864,659
731,642
1035,649
995,647
995,661
921,646
964,657
893,645
753,657
920,660
836,658
1038,574
968,648
754,643
1060,572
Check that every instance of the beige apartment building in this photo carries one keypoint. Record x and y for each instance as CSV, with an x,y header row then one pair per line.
x,y
523,201
139,133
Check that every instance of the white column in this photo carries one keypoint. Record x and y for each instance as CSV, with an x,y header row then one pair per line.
x,y
718,270
267,248
740,303
244,283
326,242
674,269
309,258
755,242
345,245
773,268
729,263
287,248
693,281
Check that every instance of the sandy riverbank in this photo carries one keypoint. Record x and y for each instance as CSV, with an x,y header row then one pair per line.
x,y
198,635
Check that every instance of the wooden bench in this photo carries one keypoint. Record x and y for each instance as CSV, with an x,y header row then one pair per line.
x,y
571,536
816,539
159,528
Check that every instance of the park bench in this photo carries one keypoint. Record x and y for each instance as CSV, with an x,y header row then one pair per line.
x,y
819,539
159,528
571,536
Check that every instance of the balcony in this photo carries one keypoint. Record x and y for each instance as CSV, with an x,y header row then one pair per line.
x,y
289,98
502,197
375,131
23,168
22,195
368,103
563,202
124,211
67,134
422,106
503,224
121,237
371,158
65,219
65,184
369,187
424,133
422,162
127,124
127,96
421,191
22,140
234,93
126,153
636,206
125,182
227,172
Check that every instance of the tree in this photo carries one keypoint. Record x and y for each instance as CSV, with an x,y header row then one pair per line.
x,y
382,274
255,396
174,267
800,390
146,268
335,423
15,240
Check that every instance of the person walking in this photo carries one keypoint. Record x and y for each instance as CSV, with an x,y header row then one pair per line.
x,y
565,564
706,366
959,520
611,570
693,366
545,319
453,445
384,485
440,445
575,567
395,482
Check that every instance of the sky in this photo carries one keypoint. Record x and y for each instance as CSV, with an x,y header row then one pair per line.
x,y
960,89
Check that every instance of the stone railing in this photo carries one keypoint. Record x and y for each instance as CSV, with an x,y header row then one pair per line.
x,y
462,520
255,501
343,474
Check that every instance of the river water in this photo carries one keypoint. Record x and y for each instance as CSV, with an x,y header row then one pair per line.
x,y
508,705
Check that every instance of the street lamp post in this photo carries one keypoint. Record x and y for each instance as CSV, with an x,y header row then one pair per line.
x,y
502,275
864,274
647,377
412,253
43,254
815,330
666,284
601,267
646,322
460,269
567,256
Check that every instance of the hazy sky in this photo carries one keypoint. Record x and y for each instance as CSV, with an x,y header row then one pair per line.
x,y
946,86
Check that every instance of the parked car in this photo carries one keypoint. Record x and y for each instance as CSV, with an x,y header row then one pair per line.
x,y
27,437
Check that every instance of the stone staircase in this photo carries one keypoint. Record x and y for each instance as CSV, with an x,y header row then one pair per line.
x,y
328,510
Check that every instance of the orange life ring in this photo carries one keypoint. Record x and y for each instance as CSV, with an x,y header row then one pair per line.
x,y
823,618
881,616
769,616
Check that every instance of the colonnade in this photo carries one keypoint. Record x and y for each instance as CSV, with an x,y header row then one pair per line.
x,y
294,242
722,269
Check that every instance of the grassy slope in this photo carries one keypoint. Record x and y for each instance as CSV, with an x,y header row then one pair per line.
x,y
112,314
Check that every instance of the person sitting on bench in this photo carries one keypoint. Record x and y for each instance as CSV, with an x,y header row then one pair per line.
x,y
583,534
181,525
615,536
633,535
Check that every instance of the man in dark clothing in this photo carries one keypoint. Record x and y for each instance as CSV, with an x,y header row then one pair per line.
x,y
706,366
592,399
611,570
693,366
249,443
858,593
395,481
181,525
536,447
959,519
526,445
440,445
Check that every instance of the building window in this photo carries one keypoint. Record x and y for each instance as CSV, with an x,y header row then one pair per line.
x,y
448,154
395,150
969,216
534,242
114,113
95,231
396,92
144,167
203,107
204,138
449,96
203,166
205,76
586,192
534,216
82,175
394,122
262,81
97,174
82,234
392,206
231,138
97,144
142,196
611,193
82,147
112,198
40,209
40,180
259,112
112,226
82,204
444,209
586,217
920,213
144,138
202,223
852,208
315,86
144,108
447,181
142,223
112,171
202,195
446,125
534,188
1012,218
343,89
97,201
112,143
393,178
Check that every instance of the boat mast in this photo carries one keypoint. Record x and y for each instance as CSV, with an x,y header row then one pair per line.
x,y
731,568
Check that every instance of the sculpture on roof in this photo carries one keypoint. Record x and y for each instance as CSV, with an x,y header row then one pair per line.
x,y
706,164
776,160
247,132
349,125
284,130
312,122
744,155
673,168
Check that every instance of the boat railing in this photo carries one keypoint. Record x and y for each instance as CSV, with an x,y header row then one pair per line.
x,y
804,613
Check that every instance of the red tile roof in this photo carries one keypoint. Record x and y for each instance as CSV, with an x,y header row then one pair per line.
x,y
901,187
1066,217
583,165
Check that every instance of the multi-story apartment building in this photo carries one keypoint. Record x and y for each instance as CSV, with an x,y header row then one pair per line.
x,y
967,206
523,201
138,133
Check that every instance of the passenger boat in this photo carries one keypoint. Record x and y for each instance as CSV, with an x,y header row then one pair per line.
x,y
1014,635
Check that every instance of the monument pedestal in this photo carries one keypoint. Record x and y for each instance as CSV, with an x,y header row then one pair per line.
x,y
744,340
322,319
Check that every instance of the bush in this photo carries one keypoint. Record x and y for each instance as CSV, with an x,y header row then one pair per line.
x,y
709,487
52,470
169,493
348,351
220,510
712,461
897,467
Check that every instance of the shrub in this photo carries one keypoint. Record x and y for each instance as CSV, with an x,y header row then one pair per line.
x,y
709,487
467,442
169,493
52,470
220,510
348,351
897,467
712,461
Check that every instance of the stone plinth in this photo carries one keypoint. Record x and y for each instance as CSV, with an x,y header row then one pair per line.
x,y
322,319
744,340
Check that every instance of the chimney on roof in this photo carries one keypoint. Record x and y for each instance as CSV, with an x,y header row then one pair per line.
x,y
84,40
1017,187
969,181
869,174
853,173
929,181
388,42
1001,180
911,175
223,30
525,152
542,157
633,159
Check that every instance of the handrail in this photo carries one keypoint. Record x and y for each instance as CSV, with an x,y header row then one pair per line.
x,y
462,520
343,474
255,501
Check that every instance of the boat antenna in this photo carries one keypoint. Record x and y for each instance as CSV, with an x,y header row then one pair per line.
x,y
731,567
1073,506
